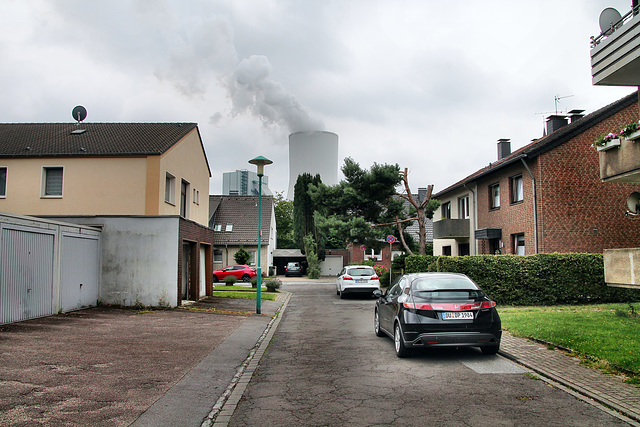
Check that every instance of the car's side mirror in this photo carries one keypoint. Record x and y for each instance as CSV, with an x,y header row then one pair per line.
x,y
377,293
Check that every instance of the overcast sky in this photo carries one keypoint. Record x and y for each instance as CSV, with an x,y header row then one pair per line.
x,y
429,85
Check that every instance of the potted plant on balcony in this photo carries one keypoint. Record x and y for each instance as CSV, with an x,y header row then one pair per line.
x,y
631,131
608,142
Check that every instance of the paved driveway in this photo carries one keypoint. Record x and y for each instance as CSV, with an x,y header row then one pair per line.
x,y
100,366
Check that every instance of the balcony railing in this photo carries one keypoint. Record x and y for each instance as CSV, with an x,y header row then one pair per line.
x,y
615,53
451,228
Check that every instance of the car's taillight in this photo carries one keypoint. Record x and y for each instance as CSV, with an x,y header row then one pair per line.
x,y
457,306
347,278
417,306
374,277
488,304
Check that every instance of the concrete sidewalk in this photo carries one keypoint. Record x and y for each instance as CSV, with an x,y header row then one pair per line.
x,y
562,369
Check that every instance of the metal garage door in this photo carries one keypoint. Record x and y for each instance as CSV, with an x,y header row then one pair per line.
x,y
79,275
331,266
26,274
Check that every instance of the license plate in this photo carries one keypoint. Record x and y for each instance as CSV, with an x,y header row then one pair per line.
x,y
362,280
457,315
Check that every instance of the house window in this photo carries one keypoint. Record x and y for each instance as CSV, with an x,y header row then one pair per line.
x,y
184,198
446,210
517,189
446,250
252,258
217,227
518,244
494,196
170,189
217,255
52,182
229,228
3,182
196,196
463,207
463,249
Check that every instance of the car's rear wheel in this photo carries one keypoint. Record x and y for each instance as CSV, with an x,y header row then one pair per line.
x,y
341,294
401,349
376,324
246,278
492,349
215,279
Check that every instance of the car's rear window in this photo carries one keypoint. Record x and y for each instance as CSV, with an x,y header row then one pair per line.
x,y
361,272
436,283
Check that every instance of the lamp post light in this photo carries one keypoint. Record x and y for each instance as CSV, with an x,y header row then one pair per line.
x,y
260,162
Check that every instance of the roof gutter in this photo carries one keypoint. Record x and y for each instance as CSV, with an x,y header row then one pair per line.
x,y
535,204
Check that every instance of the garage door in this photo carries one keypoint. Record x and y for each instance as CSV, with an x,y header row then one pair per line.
x,y
26,276
80,261
331,266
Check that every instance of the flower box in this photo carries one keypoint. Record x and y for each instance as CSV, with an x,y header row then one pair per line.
x,y
635,135
609,145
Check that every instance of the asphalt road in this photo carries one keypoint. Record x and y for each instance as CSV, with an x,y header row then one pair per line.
x,y
326,367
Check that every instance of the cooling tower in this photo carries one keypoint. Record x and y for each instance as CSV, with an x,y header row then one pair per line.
x,y
314,152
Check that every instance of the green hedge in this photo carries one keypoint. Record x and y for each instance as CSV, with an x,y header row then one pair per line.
x,y
543,279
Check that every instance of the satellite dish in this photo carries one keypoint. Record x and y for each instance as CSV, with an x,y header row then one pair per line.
x,y
609,19
633,203
79,113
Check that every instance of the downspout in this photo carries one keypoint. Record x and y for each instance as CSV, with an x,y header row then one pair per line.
x,y
475,220
535,205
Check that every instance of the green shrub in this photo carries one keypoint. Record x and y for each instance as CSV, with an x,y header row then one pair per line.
x,y
543,279
242,256
230,280
273,284
254,282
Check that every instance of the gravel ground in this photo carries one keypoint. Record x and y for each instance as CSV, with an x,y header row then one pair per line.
x,y
102,366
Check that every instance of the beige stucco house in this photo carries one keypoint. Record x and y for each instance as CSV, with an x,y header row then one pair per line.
x,y
144,184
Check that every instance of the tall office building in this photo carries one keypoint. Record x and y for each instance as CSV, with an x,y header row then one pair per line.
x,y
244,183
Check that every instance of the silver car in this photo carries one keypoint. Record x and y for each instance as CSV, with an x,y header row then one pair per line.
x,y
357,279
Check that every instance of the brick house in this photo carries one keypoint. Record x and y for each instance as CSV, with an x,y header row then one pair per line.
x,y
140,183
545,197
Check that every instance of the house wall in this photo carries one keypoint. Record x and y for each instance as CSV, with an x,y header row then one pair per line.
x,y
117,186
187,161
576,211
139,259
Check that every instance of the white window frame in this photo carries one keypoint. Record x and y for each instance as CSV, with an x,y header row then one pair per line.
x,y
187,193
518,249
517,189
196,196
445,210
44,186
217,255
217,227
228,228
170,188
6,176
494,196
463,207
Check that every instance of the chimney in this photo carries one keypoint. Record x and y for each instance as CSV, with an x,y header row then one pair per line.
x,y
555,122
504,148
422,193
575,115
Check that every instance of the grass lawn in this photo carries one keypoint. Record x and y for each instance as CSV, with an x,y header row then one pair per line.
x,y
271,296
246,288
607,332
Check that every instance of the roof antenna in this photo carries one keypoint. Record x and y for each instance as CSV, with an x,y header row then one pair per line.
x,y
79,113
558,98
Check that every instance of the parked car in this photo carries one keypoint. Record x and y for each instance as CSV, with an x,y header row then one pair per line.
x,y
437,310
293,269
357,279
242,272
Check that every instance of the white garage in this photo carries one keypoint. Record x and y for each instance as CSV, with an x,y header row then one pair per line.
x,y
331,266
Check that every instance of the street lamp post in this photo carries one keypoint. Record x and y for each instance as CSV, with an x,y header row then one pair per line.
x,y
260,162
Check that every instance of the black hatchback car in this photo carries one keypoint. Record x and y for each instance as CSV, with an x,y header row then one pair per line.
x,y
437,310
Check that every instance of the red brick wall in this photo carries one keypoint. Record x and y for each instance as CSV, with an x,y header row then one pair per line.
x,y
577,212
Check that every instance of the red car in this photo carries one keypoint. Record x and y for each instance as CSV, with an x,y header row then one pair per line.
x,y
242,272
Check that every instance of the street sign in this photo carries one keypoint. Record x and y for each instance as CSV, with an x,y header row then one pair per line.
x,y
391,239
363,248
